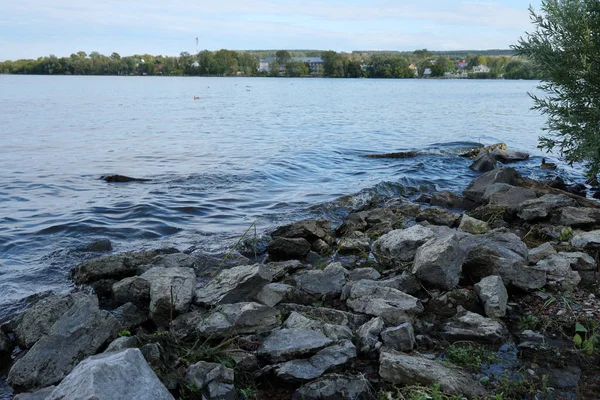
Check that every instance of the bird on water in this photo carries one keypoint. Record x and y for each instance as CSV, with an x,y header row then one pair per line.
x,y
546,165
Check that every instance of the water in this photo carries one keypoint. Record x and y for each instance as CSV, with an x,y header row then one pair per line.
x,y
250,149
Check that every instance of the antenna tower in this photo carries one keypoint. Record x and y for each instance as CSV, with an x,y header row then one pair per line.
x,y
197,50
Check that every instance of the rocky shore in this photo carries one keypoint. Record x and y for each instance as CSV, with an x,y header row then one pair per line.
x,y
488,295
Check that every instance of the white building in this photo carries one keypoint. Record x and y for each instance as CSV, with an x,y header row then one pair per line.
x,y
481,69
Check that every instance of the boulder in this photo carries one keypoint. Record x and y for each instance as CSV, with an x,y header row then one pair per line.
x,y
82,331
493,296
509,196
281,269
326,315
335,387
587,240
359,274
275,293
400,245
447,303
129,316
326,283
41,394
234,285
401,337
484,162
507,157
152,353
473,327
214,381
368,336
315,366
171,292
438,216
450,201
334,332
476,189
438,263
308,229
121,343
288,344
207,265
402,369
544,206
227,320
174,260
97,246
281,249
354,222
539,253
579,217
121,179
473,226
5,345
120,375
354,243
559,268
134,289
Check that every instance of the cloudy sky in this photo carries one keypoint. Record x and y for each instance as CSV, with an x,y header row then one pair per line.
x,y
32,28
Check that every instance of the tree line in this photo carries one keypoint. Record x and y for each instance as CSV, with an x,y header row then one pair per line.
x,y
245,63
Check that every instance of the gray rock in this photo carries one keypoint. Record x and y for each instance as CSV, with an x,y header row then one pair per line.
x,y
214,380
506,157
404,283
234,285
504,195
542,207
472,225
539,253
41,394
129,316
484,162
98,246
354,243
317,365
275,293
335,387
359,274
326,283
326,315
493,296
473,327
559,268
175,260
5,344
368,336
121,375
206,265
438,263
401,337
287,344
438,216
133,289
354,222
450,201
171,292
80,332
308,229
394,306
121,343
228,319
399,368
281,249
281,269
583,217
476,189
447,303
587,240
400,245
334,332
151,352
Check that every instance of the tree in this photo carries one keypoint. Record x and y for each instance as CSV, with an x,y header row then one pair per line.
x,y
565,50
441,66
283,57
297,68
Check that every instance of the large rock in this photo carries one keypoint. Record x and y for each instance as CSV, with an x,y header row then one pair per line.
x,y
359,274
474,327
539,253
334,332
401,337
400,245
368,336
122,343
399,368
134,289
234,285
129,316
308,229
505,195
476,189
275,293
438,263
559,268
473,226
226,320
214,381
437,216
281,249
326,283
587,240
121,375
507,157
585,217
484,162
392,305
80,332
354,243
279,270
287,344
317,365
335,387
544,206
5,345
326,315
493,296
41,394
171,292
450,201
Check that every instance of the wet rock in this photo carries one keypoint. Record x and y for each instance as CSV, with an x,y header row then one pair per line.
x,y
327,315
281,269
281,249
214,380
368,336
354,222
275,293
122,343
317,365
493,296
120,375
355,243
473,226
394,306
308,229
334,332
587,240
509,196
476,189
401,337
399,368
234,285
544,206
206,264
539,253
134,290
559,271
335,387
82,331
227,320
438,216
363,273
473,153
507,157
438,263
41,394
583,217
400,245
288,344
326,283
97,246
450,201
129,316
484,162
122,179
175,260
473,327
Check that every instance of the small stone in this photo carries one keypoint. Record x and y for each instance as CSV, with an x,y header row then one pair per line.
x,y
287,344
493,295
401,338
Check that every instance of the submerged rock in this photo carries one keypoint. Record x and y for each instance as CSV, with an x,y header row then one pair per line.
x,y
122,179
98,246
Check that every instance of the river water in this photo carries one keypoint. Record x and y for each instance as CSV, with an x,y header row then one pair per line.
x,y
249,149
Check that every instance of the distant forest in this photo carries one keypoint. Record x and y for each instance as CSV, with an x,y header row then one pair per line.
x,y
490,64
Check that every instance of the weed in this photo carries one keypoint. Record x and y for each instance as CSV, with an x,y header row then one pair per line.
x,y
566,234
587,338
417,392
469,356
124,332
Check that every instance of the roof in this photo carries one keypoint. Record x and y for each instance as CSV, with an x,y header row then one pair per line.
x,y
301,59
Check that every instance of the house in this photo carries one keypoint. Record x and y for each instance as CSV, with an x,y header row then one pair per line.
x,y
427,73
414,69
462,65
314,63
481,69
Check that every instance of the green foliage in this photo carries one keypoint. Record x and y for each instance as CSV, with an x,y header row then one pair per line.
x,y
587,339
564,48
124,332
297,68
417,392
469,357
566,234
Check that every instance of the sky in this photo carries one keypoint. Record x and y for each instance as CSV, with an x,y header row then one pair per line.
x,y
34,28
